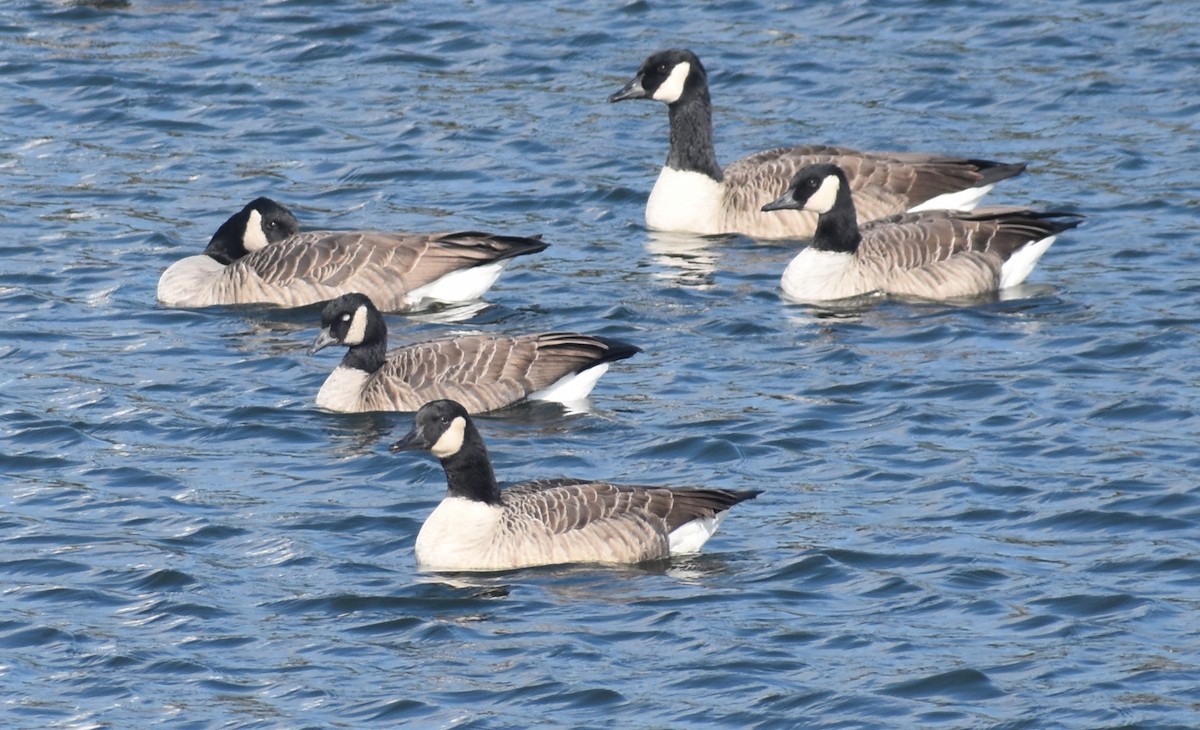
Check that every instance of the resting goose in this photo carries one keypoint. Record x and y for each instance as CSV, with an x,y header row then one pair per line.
x,y
479,527
259,256
694,194
484,372
935,254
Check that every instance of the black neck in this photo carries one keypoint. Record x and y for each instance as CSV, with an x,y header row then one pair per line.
x,y
469,471
692,134
837,230
369,356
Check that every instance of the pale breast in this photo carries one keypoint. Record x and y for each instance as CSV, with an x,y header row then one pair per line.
x,y
342,391
684,201
460,534
815,276
189,282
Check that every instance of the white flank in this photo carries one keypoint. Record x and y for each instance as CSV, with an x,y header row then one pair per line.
x,y
253,237
822,201
1021,263
684,201
342,390
958,200
463,285
458,535
573,386
188,282
691,536
358,327
451,440
816,276
670,90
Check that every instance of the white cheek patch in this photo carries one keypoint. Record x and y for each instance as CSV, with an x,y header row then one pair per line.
x,y
358,327
670,90
822,201
451,441
253,238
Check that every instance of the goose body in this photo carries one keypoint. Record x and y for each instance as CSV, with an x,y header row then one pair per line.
x,y
693,194
483,372
259,256
933,254
479,527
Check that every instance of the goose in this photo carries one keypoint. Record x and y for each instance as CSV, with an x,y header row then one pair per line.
x,y
259,256
484,372
695,195
479,527
935,254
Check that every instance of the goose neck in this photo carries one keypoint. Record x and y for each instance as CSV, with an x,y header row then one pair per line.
x,y
469,474
692,135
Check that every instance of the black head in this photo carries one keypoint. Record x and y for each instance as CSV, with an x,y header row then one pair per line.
x,y
260,223
816,188
440,427
350,320
667,76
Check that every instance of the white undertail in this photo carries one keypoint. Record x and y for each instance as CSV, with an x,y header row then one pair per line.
x,y
691,536
463,285
571,387
1021,263
957,200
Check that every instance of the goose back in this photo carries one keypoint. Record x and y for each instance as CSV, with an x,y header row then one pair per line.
x,y
483,372
881,185
319,265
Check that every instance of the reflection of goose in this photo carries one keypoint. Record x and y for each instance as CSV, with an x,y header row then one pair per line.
x,y
693,194
686,258
932,255
484,372
259,256
478,527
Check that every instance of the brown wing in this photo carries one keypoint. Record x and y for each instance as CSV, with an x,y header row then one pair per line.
x,y
484,372
320,265
942,254
882,183
566,505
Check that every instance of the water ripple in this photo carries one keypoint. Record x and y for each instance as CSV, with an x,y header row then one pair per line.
x,y
977,515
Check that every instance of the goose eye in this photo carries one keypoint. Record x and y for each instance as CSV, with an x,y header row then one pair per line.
x,y
345,317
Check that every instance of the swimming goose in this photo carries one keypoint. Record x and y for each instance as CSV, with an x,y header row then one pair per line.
x,y
259,256
935,254
694,195
479,527
484,372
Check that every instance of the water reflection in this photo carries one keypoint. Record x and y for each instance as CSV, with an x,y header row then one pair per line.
x,y
684,258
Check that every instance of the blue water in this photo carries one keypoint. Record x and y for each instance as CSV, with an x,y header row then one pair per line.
x,y
982,516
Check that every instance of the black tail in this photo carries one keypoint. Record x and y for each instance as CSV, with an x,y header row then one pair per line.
x,y
993,172
501,247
